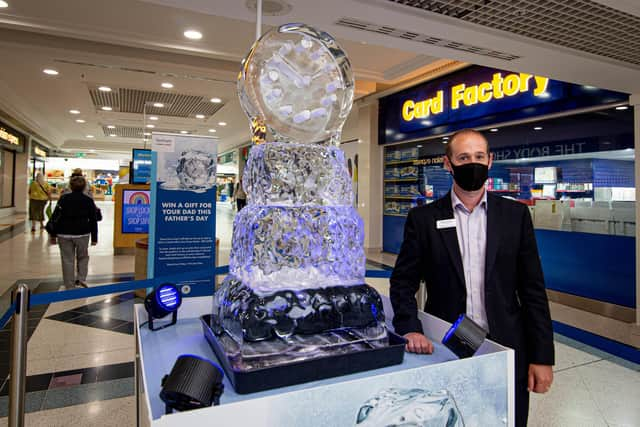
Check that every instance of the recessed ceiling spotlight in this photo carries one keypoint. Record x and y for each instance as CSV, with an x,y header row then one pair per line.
x,y
104,89
154,118
80,121
222,123
147,134
212,130
112,134
107,108
493,130
74,111
90,136
167,85
537,128
193,34
3,4
183,132
445,138
622,107
419,146
158,104
92,151
111,127
444,141
199,116
216,100
151,126
50,71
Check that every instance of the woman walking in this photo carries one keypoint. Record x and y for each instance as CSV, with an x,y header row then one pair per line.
x,y
74,222
39,195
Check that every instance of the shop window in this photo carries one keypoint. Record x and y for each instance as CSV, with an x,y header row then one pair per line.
x,y
7,163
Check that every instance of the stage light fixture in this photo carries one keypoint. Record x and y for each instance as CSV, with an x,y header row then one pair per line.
x,y
193,383
464,337
164,300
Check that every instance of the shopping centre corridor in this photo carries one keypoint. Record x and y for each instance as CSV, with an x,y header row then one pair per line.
x,y
81,352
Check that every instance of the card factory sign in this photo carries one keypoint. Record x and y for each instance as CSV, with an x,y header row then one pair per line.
x,y
9,137
499,87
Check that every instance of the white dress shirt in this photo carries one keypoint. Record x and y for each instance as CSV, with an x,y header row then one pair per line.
x,y
471,227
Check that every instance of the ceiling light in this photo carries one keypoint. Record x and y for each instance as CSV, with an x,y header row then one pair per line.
x,y
199,116
222,123
193,34
147,134
537,128
154,118
446,138
216,100
212,130
158,104
493,130
112,134
80,121
167,85
50,71
3,4
151,126
444,141
419,146
74,111
104,89
111,127
184,132
92,150
622,107
106,108
90,136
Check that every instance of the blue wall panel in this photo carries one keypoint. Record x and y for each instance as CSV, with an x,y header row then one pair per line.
x,y
596,266
392,233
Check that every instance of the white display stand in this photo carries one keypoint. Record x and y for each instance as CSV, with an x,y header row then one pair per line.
x,y
482,386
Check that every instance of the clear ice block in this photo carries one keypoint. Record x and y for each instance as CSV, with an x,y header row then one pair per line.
x,y
410,408
276,248
287,174
196,170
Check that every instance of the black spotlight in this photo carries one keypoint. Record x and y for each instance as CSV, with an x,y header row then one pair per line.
x,y
164,300
464,337
194,382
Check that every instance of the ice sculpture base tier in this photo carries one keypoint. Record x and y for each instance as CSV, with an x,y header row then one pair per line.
x,y
247,316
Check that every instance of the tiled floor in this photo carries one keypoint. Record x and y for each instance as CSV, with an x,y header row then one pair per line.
x,y
80,353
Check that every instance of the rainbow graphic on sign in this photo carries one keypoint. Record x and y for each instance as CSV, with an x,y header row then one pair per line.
x,y
137,198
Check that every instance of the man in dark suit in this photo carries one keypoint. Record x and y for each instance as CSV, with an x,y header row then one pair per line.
x,y
477,254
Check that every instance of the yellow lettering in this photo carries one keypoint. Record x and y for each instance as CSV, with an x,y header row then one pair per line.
x,y
437,103
511,84
471,96
497,86
541,85
407,110
419,111
524,81
457,93
484,92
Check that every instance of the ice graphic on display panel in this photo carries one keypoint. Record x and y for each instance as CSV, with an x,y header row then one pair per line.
x,y
296,286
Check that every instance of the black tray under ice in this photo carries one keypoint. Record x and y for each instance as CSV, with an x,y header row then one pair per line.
x,y
307,370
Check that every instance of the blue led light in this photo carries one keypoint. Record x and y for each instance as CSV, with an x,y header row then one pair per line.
x,y
452,329
168,297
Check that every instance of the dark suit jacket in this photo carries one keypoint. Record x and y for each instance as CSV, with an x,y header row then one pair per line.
x,y
515,298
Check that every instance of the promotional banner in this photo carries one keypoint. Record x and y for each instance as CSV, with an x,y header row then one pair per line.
x,y
135,211
183,212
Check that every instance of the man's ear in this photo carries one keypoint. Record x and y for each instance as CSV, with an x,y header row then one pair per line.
x,y
490,160
447,163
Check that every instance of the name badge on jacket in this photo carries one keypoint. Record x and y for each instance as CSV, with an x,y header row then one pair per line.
x,y
446,223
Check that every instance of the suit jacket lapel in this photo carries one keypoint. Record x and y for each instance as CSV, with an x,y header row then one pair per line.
x,y
494,235
450,237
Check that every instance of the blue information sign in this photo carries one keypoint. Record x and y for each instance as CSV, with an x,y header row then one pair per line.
x,y
141,173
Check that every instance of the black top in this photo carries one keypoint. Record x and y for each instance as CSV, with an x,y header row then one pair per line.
x,y
515,297
77,215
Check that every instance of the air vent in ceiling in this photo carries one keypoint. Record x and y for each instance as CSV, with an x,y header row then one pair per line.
x,y
132,131
134,100
583,25
423,38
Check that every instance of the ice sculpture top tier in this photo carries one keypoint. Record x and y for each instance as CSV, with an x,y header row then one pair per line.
x,y
299,82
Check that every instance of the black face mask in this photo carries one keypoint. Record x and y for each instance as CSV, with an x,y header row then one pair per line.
x,y
470,176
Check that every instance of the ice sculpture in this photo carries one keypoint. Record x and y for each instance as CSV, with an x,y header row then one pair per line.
x,y
410,408
296,285
196,170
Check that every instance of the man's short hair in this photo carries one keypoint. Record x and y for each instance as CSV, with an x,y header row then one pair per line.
x,y
77,183
460,134
76,172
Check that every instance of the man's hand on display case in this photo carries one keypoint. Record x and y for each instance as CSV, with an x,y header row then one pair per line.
x,y
418,343
540,378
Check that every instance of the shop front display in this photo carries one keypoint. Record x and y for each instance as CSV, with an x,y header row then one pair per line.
x,y
11,142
